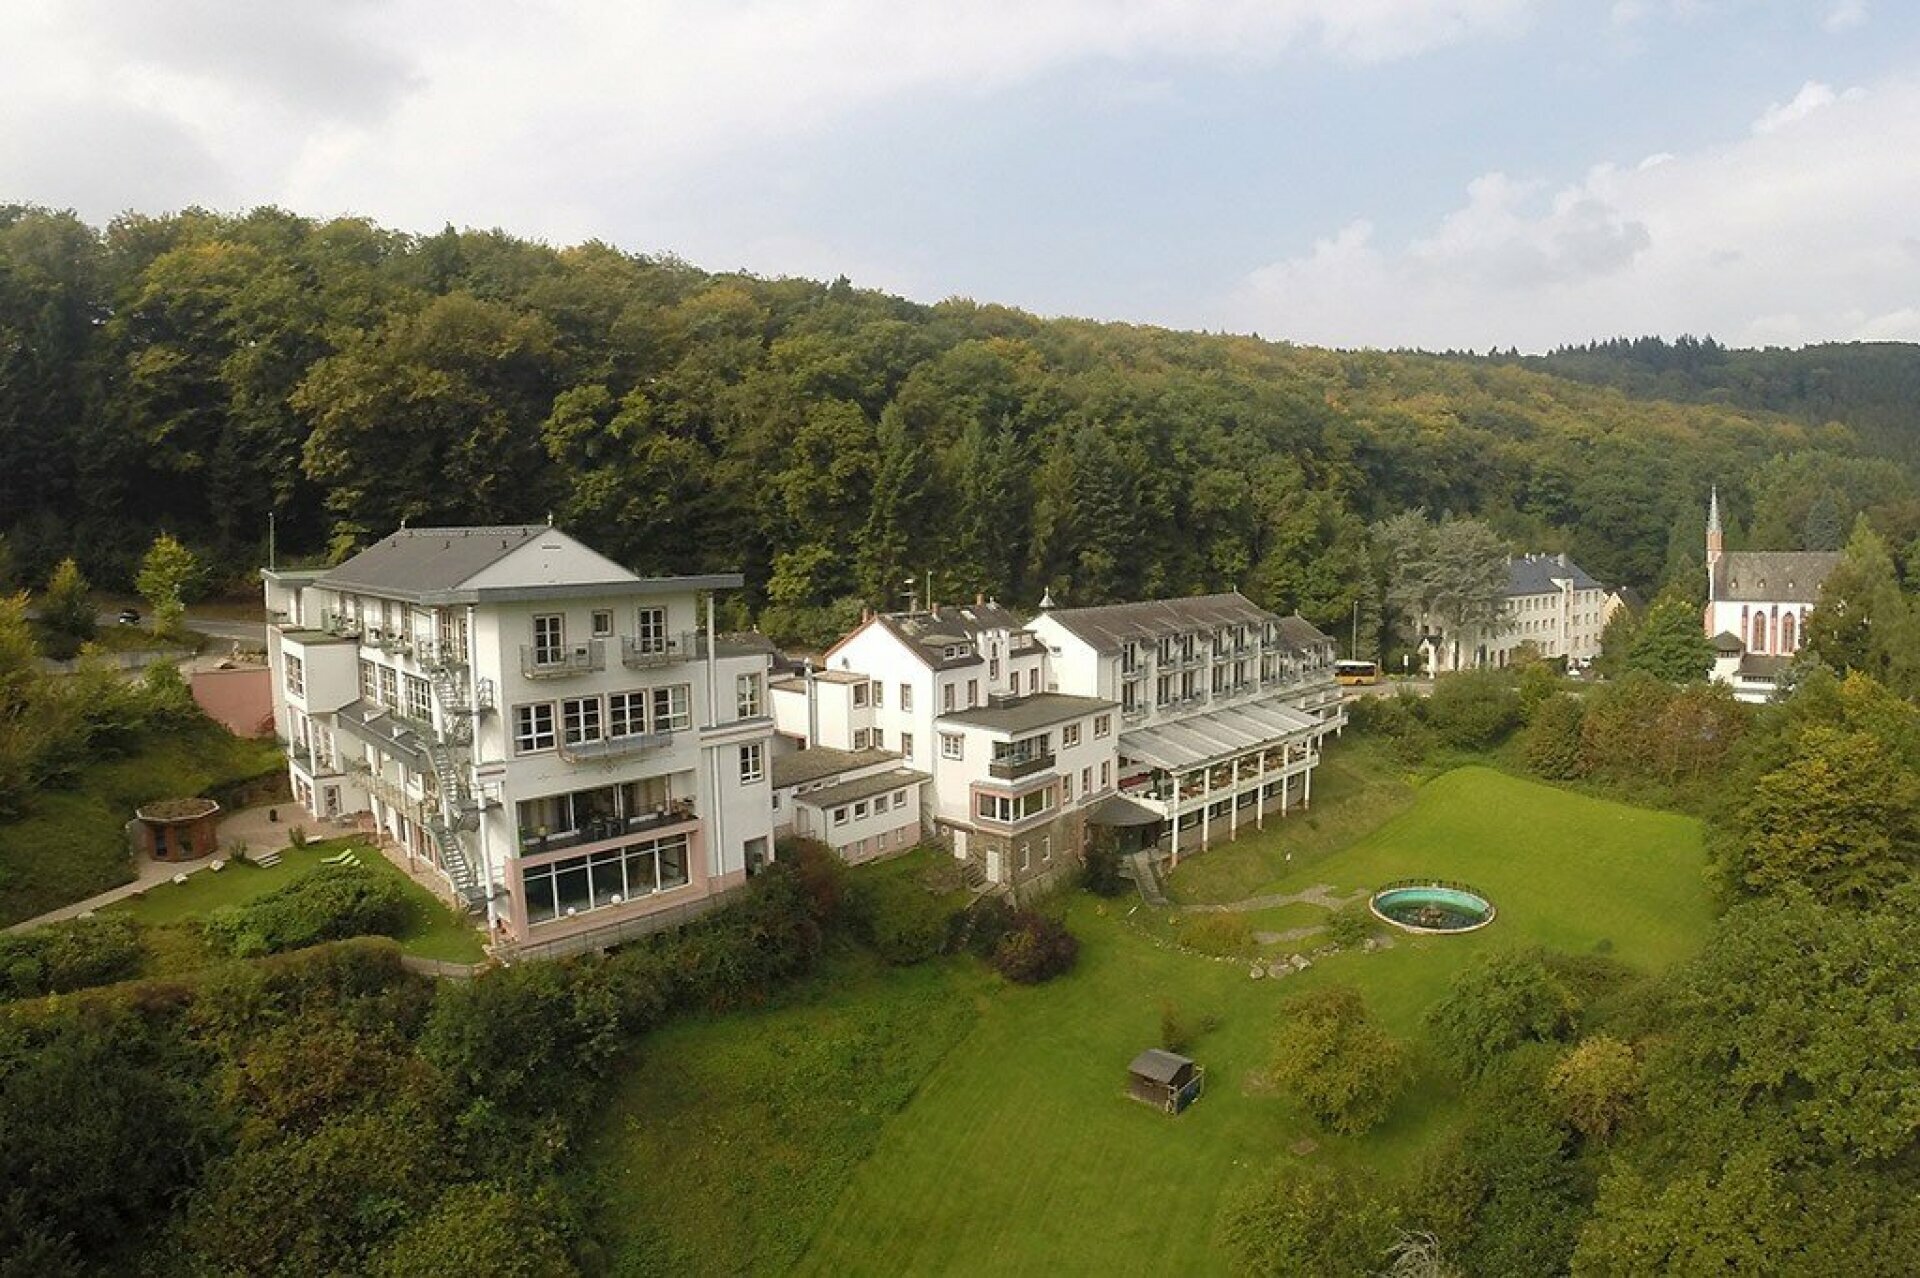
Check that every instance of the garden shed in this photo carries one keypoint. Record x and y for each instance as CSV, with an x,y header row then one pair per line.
x,y
1165,1080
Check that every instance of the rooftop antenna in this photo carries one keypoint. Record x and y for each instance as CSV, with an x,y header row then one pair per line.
x,y
909,592
270,542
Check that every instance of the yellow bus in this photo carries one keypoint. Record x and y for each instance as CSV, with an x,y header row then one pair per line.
x,y
1351,673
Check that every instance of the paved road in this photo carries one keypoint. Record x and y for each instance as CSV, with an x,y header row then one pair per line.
x,y
251,633
1418,687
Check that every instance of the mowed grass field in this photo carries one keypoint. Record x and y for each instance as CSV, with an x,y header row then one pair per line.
x,y
996,1138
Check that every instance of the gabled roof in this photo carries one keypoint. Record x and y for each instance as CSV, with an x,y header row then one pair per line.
x,y
1766,576
423,560
1157,1066
927,635
1727,643
860,788
1542,575
1110,627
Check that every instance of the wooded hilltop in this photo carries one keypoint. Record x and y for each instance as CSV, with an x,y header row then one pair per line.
x,y
193,372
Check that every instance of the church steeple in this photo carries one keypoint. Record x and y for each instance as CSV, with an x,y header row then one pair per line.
x,y
1715,539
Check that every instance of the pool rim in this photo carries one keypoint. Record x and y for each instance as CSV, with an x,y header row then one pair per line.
x,y
1403,885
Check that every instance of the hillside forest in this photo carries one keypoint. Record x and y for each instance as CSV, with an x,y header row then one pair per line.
x,y
192,373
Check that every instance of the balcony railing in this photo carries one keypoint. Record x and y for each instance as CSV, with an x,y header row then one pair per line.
x,y
642,652
603,829
1133,713
607,748
553,663
340,623
1013,767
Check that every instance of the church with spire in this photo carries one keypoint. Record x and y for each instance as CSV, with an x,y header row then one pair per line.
x,y
1757,607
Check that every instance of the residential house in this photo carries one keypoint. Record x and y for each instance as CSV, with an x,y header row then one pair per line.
x,y
1552,606
1223,707
861,803
553,736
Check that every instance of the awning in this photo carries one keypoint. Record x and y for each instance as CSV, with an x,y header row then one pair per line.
x,y
1118,810
382,731
1219,734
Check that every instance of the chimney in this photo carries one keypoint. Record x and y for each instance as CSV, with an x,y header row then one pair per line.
x,y
1563,559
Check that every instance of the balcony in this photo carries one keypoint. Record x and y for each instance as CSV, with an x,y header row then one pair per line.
x,y
605,829
607,749
1014,766
555,663
645,652
1133,713
340,624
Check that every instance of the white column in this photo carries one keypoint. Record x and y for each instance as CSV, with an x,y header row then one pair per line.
x,y
1260,793
1233,813
1306,795
1174,779
1206,807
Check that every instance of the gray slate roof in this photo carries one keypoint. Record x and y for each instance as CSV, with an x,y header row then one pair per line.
x,y
853,791
416,561
928,634
1763,576
1110,627
1537,574
1727,642
819,762
1158,1066
1041,710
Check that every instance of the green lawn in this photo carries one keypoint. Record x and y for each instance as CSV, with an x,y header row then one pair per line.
x,y
70,843
1017,1151
436,932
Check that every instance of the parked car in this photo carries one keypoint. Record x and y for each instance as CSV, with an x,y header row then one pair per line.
x,y
129,616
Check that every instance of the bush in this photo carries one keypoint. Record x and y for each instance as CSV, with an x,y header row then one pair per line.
x,y
1303,1219
69,956
980,927
1100,866
901,920
1550,747
1180,1031
820,876
1499,1003
1474,709
1350,925
1344,1070
1037,949
330,903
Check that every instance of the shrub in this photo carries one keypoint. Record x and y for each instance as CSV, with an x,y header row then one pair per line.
x,y
1473,709
1499,1003
330,903
1037,949
1179,1030
901,920
1303,1219
980,927
1597,1084
297,836
1100,865
820,876
1344,1070
1550,746
69,956
1221,935
1350,925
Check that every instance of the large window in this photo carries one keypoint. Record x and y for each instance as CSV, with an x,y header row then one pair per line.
x,y
753,763
746,689
1102,724
389,687
860,693
533,727
369,682
549,639
296,676
1070,736
580,717
670,712
626,714
1008,809
576,885
952,745
651,635
419,699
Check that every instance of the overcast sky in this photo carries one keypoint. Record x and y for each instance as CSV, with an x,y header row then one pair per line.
x,y
1439,173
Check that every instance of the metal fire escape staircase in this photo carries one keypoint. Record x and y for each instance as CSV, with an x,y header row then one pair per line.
x,y
458,811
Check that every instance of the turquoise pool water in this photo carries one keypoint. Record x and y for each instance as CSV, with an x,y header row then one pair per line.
x,y
1432,907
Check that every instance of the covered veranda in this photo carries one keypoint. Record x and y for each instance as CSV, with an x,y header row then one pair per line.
x,y
1209,774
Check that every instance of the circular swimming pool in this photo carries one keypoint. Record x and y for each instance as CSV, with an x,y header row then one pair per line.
x,y
1429,905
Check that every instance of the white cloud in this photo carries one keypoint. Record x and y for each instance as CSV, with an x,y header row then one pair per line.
x,y
418,112
1786,235
1813,95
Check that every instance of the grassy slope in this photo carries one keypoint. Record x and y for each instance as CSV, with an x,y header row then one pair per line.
x,y
437,932
70,843
1018,1152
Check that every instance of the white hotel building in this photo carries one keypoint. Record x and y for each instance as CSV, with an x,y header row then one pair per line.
x,y
556,738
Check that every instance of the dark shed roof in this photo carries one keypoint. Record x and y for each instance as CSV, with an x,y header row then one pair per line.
x,y
1159,1067
1110,626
